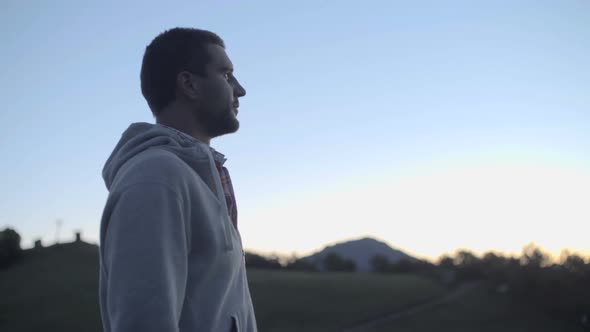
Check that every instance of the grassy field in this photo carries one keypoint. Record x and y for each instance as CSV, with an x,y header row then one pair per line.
x,y
56,289
479,310
298,301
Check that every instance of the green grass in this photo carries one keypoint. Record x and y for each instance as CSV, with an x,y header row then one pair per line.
x,y
299,301
56,289
482,311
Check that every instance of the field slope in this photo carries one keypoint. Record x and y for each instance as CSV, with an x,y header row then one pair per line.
x,y
298,301
56,289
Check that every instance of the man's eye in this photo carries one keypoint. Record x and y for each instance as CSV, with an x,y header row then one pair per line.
x,y
227,76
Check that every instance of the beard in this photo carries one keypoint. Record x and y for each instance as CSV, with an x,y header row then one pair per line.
x,y
217,122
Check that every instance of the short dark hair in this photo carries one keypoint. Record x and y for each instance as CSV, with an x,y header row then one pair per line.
x,y
171,52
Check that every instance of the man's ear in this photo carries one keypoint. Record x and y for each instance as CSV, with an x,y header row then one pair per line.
x,y
187,84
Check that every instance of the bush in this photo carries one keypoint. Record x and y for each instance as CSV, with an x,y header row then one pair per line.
x,y
10,250
260,262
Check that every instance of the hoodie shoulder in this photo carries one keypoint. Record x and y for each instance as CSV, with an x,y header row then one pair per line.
x,y
149,166
148,152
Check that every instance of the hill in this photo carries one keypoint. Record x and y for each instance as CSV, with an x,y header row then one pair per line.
x,y
360,252
52,289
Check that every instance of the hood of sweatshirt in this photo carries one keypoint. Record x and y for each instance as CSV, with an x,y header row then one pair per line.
x,y
142,136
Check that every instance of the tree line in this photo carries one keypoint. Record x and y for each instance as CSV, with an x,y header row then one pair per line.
x,y
560,288
331,262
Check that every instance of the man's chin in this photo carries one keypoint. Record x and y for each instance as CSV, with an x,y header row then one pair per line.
x,y
233,124
230,127
235,128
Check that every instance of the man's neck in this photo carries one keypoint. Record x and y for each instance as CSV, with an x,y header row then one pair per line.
x,y
181,122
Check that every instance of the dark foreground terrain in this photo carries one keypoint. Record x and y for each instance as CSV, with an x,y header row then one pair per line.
x,y
56,289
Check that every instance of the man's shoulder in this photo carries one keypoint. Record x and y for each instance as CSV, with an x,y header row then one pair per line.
x,y
156,159
153,165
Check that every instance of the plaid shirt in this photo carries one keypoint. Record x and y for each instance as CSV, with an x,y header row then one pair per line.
x,y
228,189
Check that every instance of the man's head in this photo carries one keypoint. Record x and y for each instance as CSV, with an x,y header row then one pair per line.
x,y
187,76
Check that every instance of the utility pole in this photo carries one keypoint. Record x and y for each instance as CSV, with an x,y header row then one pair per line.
x,y
58,223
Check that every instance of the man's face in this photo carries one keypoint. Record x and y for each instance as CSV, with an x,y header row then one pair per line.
x,y
218,104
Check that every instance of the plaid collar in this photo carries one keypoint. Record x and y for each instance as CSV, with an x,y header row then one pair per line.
x,y
224,177
217,156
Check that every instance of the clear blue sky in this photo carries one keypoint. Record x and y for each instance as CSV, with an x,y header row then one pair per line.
x,y
427,124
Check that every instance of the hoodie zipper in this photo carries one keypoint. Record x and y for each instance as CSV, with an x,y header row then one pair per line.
x,y
225,223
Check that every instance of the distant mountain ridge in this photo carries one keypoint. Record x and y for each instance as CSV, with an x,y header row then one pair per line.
x,y
360,251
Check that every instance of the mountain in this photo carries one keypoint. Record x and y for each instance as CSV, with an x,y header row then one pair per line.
x,y
360,252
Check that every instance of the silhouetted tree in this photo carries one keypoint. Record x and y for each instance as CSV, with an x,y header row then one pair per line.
x,y
575,264
446,262
533,256
562,290
260,262
468,265
299,264
294,263
380,264
10,250
335,262
445,271
493,267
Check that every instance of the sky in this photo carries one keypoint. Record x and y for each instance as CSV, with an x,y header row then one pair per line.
x,y
429,125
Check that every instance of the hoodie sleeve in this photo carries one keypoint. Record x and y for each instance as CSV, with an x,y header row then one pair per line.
x,y
146,254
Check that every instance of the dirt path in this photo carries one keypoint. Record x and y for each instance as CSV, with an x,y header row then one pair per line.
x,y
366,326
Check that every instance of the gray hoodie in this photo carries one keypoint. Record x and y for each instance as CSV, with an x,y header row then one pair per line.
x,y
170,258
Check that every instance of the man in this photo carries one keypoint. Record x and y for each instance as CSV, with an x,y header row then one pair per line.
x,y
171,256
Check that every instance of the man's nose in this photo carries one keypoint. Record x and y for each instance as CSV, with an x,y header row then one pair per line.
x,y
239,90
